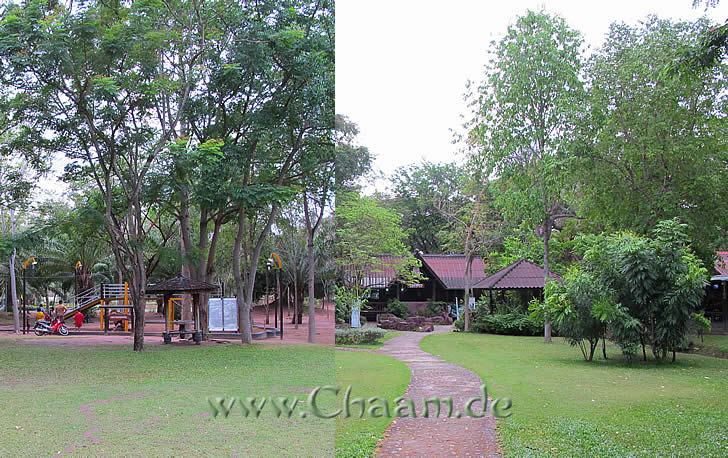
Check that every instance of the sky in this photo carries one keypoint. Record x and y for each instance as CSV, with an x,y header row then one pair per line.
x,y
402,65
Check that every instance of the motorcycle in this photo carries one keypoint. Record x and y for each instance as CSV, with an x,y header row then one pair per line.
x,y
56,326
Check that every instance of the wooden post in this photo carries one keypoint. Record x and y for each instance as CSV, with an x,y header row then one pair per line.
x,y
106,316
169,321
725,306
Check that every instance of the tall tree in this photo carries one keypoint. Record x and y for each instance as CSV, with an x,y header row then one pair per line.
x,y
287,116
529,103
106,84
425,195
15,188
654,144
365,230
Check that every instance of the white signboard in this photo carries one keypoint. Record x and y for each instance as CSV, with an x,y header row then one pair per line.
x,y
222,314
471,303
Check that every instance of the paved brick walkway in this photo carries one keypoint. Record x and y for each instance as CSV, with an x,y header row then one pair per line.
x,y
431,376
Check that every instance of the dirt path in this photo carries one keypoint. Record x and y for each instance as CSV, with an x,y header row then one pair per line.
x,y
431,376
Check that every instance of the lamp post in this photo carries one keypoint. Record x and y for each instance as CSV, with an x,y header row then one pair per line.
x,y
32,262
275,260
25,306
268,265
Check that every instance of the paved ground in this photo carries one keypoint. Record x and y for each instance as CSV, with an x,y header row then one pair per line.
x,y
324,333
431,376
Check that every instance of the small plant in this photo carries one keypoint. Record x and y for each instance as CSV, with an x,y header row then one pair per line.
x,y
398,308
358,336
434,308
459,325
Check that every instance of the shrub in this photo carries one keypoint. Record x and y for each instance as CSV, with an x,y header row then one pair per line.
x,y
358,336
513,324
398,308
434,308
638,291
459,324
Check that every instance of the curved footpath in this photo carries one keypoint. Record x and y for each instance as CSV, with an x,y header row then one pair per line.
x,y
432,376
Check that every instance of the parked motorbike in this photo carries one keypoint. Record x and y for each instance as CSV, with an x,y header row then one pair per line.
x,y
56,326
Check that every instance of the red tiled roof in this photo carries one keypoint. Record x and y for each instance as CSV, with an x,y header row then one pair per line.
x,y
721,262
520,274
450,269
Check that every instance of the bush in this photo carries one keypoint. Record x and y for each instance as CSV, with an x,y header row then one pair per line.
x,y
459,324
398,308
358,336
512,324
637,291
434,308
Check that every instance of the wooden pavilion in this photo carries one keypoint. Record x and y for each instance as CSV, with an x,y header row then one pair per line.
x,y
170,290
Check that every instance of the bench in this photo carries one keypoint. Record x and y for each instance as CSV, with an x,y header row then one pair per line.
x,y
108,318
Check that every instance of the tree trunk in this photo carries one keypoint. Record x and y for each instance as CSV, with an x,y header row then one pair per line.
x,y
13,282
311,227
186,248
311,290
468,287
244,323
138,297
546,240
295,300
245,284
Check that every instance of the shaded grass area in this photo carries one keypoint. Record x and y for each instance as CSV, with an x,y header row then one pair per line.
x,y
563,406
369,375
711,345
109,401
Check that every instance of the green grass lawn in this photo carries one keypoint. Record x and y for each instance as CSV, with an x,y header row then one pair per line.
x,y
109,401
563,406
369,375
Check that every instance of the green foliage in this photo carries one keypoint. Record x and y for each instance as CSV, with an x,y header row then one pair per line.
x,y
365,230
514,324
528,106
427,196
650,142
635,290
459,325
358,336
578,309
346,299
434,308
398,308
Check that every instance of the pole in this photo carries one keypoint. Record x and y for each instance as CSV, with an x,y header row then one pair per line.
x,y
25,306
280,303
267,294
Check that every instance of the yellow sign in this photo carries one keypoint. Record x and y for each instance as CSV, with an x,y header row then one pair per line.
x,y
277,263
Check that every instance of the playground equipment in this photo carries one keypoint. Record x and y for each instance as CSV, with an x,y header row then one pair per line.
x,y
102,296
